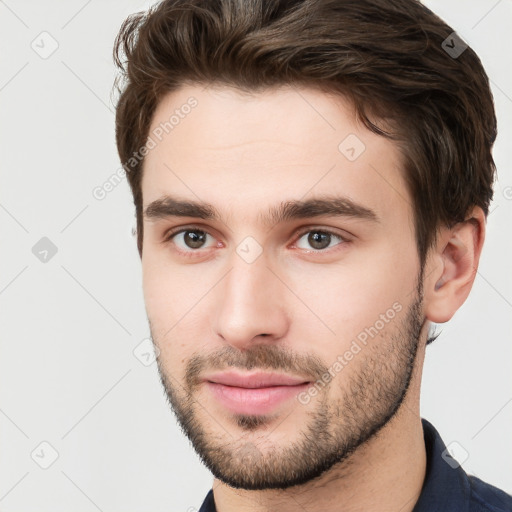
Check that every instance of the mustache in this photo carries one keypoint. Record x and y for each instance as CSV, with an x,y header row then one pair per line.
x,y
262,357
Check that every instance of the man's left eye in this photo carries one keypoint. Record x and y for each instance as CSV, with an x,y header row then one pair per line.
x,y
319,239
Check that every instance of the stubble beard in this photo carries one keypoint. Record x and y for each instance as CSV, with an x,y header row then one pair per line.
x,y
246,458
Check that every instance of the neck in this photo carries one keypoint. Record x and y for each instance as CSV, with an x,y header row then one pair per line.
x,y
384,474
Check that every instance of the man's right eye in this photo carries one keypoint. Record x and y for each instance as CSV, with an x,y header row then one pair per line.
x,y
188,239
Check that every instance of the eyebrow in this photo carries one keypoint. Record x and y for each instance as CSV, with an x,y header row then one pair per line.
x,y
334,206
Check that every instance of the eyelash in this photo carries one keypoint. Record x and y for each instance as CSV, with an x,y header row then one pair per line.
x,y
297,236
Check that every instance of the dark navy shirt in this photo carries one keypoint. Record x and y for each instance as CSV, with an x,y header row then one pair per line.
x,y
447,487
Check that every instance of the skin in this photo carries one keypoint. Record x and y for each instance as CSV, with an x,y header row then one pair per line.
x,y
359,441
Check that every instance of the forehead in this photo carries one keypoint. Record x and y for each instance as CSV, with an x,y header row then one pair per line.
x,y
218,144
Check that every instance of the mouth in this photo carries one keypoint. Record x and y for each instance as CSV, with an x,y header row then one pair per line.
x,y
256,393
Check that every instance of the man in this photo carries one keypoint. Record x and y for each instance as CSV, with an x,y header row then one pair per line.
x,y
311,182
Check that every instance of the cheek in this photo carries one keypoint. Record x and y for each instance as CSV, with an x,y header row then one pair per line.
x,y
161,290
167,288
349,296
175,309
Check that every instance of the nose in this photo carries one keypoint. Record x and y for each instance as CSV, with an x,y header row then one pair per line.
x,y
251,302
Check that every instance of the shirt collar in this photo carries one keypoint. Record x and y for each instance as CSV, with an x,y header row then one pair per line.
x,y
446,486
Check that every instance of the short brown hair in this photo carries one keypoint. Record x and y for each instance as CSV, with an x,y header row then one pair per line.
x,y
386,56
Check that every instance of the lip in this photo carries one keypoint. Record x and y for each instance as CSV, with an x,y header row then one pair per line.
x,y
254,394
254,380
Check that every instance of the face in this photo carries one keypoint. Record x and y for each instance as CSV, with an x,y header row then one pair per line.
x,y
281,279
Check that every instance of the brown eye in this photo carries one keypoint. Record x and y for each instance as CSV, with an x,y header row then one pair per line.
x,y
186,239
194,238
319,240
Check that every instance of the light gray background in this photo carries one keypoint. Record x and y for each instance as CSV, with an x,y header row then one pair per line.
x,y
69,326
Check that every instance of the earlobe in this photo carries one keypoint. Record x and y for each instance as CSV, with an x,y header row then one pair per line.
x,y
452,268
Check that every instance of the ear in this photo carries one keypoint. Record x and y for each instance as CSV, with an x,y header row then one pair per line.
x,y
452,265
